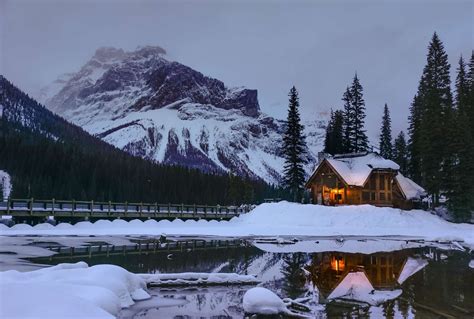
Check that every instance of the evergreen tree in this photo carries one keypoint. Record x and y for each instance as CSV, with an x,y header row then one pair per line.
x,y
459,165
355,140
348,128
470,104
414,162
292,270
294,149
386,134
359,139
400,153
435,100
333,143
328,141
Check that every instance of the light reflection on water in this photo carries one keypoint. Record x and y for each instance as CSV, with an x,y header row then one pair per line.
x,y
434,282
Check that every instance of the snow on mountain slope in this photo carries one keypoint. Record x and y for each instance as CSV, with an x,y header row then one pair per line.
x,y
164,111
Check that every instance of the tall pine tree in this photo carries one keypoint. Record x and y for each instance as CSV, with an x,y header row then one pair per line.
x,y
400,152
348,127
328,141
354,137
385,144
294,149
333,143
359,141
470,105
435,107
414,131
459,166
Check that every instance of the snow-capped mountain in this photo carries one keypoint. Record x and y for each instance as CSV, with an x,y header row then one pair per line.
x,y
162,110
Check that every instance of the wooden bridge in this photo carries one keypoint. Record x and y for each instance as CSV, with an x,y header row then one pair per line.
x,y
30,209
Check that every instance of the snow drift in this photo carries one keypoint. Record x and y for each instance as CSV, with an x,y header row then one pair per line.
x,y
280,219
69,289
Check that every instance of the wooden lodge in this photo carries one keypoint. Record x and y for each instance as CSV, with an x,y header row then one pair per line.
x,y
362,178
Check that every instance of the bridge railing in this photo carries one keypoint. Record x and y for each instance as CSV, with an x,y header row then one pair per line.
x,y
90,208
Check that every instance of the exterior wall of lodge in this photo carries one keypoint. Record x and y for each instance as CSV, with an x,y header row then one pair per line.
x,y
380,189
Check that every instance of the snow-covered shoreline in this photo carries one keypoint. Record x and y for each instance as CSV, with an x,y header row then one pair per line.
x,y
69,290
278,219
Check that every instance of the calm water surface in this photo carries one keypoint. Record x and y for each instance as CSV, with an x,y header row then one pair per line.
x,y
443,286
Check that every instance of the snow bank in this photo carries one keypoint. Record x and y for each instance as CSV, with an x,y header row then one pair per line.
x,y
356,286
262,301
283,219
69,290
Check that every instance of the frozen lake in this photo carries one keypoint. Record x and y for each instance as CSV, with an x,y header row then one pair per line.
x,y
405,279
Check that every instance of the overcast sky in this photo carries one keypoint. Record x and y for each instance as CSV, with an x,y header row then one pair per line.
x,y
267,45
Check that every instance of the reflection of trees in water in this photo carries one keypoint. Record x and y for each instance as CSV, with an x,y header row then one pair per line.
x,y
389,309
338,310
292,270
444,283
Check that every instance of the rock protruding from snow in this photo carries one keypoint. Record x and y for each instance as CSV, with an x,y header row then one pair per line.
x,y
162,110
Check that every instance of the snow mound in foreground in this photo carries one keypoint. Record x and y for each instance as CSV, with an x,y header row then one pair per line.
x,y
262,301
67,289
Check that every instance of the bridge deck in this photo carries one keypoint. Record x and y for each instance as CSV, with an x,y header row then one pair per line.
x,y
86,209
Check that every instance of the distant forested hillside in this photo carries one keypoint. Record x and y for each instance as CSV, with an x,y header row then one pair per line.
x,y
48,157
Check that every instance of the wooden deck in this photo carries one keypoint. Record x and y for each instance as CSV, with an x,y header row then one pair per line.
x,y
31,208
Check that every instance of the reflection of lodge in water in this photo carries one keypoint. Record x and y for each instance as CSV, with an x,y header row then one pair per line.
x,y
383,270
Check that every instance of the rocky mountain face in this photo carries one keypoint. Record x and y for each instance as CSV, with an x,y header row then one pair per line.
x,y
148,105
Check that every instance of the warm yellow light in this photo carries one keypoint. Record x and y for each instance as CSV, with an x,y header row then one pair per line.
x,y
337,263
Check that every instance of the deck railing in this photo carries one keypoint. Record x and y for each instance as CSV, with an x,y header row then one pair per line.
x,y
72,208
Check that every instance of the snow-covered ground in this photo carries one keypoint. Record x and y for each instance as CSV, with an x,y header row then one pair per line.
x,y
279,219
69,290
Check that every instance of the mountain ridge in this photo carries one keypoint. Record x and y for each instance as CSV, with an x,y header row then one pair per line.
x,y
144,103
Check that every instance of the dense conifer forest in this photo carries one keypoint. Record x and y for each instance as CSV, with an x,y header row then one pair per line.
x,y
438,152
48,157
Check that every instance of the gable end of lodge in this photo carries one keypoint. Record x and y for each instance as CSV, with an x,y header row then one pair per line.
x,y
362,178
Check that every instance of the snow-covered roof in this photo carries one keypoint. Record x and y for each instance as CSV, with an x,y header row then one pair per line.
x,y
410,189
356,286
411,267
356,168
